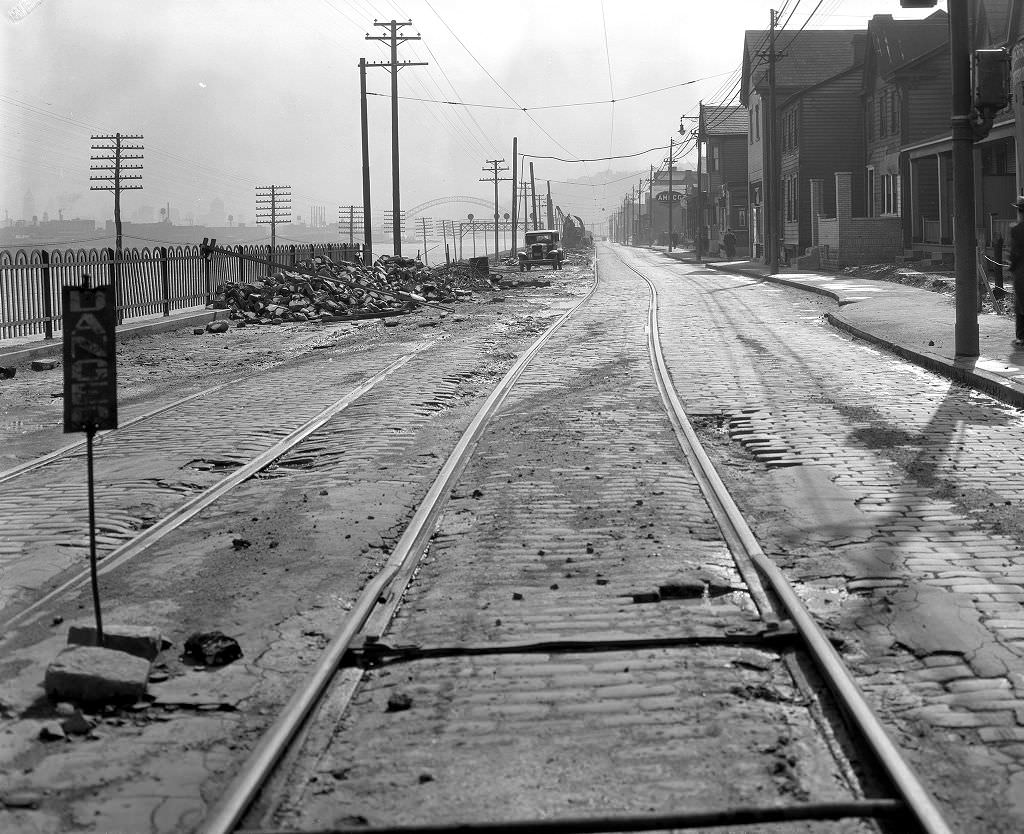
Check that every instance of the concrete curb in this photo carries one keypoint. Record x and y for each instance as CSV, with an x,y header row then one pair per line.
x,y
775,279
992,384
15,355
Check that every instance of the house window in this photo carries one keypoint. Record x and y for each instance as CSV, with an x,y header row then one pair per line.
x,y
891,194
757,120
741,219
790,191
716,160
871,192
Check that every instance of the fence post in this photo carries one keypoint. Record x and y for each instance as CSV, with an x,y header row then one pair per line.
x,y
44,257
208,279
165,280
270,257
112,279
291,255
240,251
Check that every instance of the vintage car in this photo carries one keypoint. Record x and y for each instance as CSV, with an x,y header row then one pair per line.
x,y
541,247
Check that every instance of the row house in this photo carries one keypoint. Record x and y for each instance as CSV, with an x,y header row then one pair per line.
x,y
813,69
725,201
866,173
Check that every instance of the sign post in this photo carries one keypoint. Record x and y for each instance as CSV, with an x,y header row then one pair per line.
x,y
90,386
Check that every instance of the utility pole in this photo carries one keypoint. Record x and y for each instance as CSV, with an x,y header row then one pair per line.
x,y
636,237
367,228
533,196
394,66
771,181
112,165
349,221
650,210
423,222
494,163
275,203
515,196
671,199
699,224
551,216
964,235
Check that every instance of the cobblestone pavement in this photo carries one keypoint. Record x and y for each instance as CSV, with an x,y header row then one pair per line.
x,y
894,498
274,563
577,507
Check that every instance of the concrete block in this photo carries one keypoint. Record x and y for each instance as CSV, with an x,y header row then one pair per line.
x,y
142,641
44,364
217,327
91,675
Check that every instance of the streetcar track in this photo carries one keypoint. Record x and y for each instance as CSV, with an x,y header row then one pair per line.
x,y
373,609
370,618
826,658
191,507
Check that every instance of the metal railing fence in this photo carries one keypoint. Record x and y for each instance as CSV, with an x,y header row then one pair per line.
x,y
153,280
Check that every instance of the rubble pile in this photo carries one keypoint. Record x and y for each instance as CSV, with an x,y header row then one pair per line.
x,y
319,290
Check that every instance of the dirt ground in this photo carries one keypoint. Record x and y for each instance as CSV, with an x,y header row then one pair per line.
x,y
935,280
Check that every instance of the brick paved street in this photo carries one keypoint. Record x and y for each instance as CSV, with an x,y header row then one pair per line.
x,y
923,579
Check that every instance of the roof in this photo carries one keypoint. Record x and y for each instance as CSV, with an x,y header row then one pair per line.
x,y
722,120
811,55
893,43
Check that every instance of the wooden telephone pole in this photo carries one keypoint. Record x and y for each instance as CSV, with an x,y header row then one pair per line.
x,y
394,65
494,169
273,206
773,185
113,158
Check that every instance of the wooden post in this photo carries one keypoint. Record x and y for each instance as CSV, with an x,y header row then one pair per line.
x,y
515,195
44,257
165,280
241,263
671,150
112,280
208,279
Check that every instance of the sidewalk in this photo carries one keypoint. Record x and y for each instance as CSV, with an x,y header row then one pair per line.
x,y
917,325
16,351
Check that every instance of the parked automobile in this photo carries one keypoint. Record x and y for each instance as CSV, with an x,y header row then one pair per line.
x,y
541,246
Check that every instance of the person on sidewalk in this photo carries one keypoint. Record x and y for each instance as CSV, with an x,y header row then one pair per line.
x,y
1017,270
730,244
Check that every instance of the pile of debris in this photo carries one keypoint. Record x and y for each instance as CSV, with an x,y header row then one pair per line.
x,y
320,290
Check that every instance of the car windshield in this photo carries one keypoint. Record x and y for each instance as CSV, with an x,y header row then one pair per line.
x,y
539,238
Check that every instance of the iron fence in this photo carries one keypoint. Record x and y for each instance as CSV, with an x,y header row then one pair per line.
x,y
150,281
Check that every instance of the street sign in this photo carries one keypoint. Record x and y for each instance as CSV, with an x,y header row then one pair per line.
x,y
90,354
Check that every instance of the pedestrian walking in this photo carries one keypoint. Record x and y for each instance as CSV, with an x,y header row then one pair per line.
x,y
1017,270
729,239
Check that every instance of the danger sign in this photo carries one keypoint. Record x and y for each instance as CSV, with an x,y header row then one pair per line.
x,y
90,352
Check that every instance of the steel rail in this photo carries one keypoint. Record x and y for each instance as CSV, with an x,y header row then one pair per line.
x,y
827,660
742,815
49,457
196,504
242,791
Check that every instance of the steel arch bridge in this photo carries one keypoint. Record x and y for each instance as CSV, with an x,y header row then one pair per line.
x,y
442,201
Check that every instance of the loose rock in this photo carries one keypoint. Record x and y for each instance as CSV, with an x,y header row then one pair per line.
x,y
212,648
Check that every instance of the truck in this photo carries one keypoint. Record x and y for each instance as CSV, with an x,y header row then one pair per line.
x,y
541,246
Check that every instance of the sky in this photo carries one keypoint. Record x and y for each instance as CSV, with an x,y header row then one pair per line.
x,y
229,95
